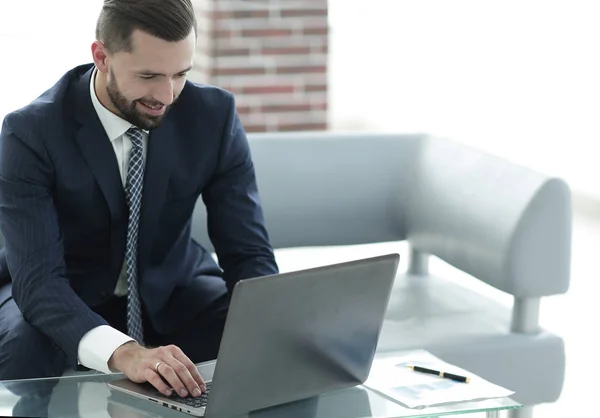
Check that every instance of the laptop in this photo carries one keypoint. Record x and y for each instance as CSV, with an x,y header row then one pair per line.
x,y
291,336
349,403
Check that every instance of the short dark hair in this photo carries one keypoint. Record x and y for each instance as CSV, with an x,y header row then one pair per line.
x,y
170,20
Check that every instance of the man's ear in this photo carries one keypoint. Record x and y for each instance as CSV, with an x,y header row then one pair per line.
x,y
100,56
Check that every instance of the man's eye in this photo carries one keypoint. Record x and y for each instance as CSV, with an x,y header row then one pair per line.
x,y
146,77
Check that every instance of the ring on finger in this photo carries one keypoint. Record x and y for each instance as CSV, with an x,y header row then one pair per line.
x,y
156,366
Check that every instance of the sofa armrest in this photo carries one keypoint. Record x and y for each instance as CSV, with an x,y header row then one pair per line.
x,y
504,224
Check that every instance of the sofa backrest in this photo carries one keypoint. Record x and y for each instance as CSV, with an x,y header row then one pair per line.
x,y
329,189
507,225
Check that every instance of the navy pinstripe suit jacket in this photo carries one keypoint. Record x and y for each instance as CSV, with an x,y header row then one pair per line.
x,y
63,212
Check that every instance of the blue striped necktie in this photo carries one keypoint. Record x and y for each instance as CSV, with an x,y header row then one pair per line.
x,y
133,191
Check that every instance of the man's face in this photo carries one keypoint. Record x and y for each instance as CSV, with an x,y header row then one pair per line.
x,y
144,83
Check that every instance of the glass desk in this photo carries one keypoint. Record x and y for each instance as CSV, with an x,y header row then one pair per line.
x,y
88,396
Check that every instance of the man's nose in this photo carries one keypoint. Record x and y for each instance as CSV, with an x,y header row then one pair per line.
x,y
164,93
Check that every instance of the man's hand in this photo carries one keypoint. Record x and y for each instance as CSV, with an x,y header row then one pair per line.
x,y
139,365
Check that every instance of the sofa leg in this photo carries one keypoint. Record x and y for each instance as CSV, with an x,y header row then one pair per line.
x,y
525,315
524,412
418,262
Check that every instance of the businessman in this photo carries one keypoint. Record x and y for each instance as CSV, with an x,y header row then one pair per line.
x,y
99,177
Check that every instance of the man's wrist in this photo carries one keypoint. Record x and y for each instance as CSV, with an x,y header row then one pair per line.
x,y
122,355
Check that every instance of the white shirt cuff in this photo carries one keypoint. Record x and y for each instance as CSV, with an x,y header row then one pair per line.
x,y
98,345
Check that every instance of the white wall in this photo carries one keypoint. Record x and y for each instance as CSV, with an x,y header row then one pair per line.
x,y
39,41
517,78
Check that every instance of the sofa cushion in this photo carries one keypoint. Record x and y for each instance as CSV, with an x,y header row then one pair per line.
x,y
473,331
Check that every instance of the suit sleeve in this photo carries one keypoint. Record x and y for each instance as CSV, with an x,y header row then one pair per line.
x,y
235,218
33,242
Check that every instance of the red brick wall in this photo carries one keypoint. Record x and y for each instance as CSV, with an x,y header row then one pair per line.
x,y
272,54
203,59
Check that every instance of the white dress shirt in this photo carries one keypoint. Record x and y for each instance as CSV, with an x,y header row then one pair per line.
x,y
97,346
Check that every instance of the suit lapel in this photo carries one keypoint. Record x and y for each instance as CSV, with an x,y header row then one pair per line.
x,y
100,156
97,149
156,180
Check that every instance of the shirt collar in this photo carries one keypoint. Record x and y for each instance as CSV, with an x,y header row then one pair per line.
x,y
114,125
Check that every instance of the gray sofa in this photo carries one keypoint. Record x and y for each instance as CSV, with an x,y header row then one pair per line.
x,y
491,226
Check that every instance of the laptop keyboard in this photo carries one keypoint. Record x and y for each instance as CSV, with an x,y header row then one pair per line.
x,y
191,401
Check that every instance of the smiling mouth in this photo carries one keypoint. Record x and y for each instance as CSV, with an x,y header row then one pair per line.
x,y
153,109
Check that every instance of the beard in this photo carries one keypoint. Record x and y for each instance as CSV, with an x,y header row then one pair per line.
x,y
128,109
